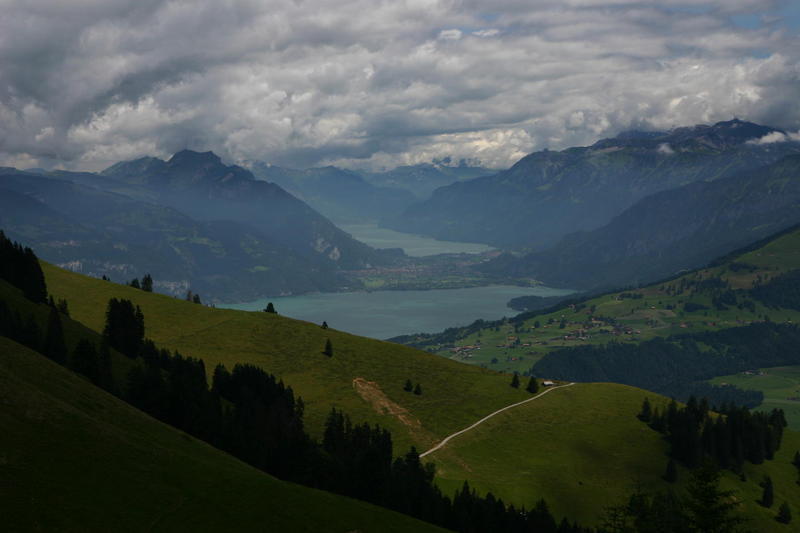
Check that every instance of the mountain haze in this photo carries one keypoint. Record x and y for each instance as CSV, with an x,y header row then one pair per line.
x,y
669,231
548,194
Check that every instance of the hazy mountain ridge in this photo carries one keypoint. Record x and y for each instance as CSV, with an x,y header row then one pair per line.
x,y
103,233
669,231
200,185
547,195
339,194
424,178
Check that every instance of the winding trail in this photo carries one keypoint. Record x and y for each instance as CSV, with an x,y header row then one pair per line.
x,y
487,417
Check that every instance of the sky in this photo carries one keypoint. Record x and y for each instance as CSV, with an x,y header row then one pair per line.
x,y
373,84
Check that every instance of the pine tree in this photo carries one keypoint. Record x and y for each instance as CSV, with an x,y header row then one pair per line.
x,y
710,509
784,513
196,299
768,495
408,387
135,283
270,308
54,346
328,348
533,386
646,414
147,283
324,325
85,361
671,473
515,381
418,390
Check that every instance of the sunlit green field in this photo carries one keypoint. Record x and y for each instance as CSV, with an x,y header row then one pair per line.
x,y
365,377
641,314
583,449
780,385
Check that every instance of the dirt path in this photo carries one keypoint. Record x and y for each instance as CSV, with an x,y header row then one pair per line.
x,y
487,417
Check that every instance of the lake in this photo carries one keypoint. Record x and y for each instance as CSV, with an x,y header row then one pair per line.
x,y
386,314
413,245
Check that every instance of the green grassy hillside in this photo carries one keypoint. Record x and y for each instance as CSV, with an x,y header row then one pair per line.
x,y
625,316
579,447
582,449
365,377
74,458
780,385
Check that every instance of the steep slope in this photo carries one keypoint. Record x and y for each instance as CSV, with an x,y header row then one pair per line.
x,y
201,186
669,231
588,437
547,195
583,449
75,458
365,377
340,195
106,233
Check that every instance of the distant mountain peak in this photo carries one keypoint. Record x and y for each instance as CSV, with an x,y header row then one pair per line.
x,y
195,158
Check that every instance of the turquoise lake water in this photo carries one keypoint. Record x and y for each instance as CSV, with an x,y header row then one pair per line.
x,y
385,314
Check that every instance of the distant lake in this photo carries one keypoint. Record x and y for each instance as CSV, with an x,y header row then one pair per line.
x,y
386,314
413,245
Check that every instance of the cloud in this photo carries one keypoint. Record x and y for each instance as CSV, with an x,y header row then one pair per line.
x,y
450,35
665,148
361,83
770,138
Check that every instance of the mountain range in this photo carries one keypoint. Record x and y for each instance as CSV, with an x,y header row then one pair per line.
x,y
669,231
192,222
550,194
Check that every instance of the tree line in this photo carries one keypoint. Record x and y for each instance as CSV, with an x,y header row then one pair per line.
x,y
675,365
254,416
728,438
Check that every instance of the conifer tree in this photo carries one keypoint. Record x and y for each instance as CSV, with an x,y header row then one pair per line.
x,y
135,283
324,325
408,387
105,375
646,414
784,513
54,346
768,495
418,390
671,473
328,348
147,283
515,381
85,361
533,386
270,308
196,299
710,509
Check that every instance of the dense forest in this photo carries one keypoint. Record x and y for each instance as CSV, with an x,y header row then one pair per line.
x,y
729,437
676,365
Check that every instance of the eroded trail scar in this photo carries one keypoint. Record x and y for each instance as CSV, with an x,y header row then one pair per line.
x,y
373,395
487,417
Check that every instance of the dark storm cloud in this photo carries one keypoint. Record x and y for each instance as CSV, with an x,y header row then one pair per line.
x,y
85,83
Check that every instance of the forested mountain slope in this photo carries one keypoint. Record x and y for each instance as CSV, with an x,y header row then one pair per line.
x,y
670,231
547,195
98,232
76,458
